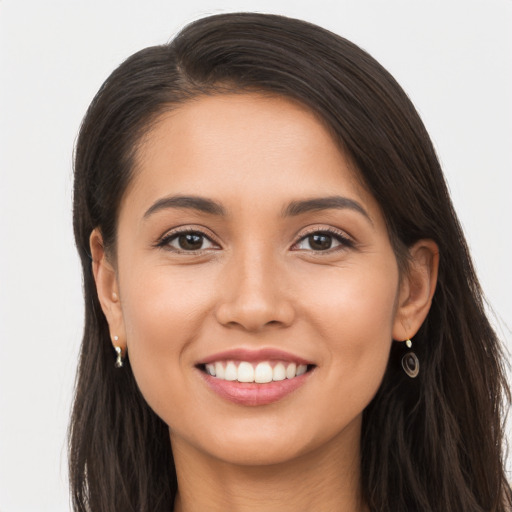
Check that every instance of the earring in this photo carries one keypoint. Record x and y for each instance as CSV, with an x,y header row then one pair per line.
x,y
410,362
119,352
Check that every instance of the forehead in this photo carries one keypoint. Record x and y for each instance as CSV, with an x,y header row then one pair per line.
x,y
221,144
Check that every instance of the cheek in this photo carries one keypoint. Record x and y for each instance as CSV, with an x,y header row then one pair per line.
x,y
163,305
163,314
352,313
352,299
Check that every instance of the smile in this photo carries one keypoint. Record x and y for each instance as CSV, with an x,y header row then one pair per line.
x,y
262,372
255,378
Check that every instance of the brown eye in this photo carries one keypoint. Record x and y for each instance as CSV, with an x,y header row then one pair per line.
x,y
320,242
188,241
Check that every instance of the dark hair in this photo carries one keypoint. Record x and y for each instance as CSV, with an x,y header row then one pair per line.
x,y
430,444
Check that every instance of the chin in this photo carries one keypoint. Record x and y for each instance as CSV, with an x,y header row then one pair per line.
x,y
270,443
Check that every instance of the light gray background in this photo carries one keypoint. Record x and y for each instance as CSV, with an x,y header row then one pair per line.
x,y
453,57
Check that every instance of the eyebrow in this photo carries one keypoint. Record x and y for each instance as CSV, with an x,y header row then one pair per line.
x,y
324,203
293,209
188,202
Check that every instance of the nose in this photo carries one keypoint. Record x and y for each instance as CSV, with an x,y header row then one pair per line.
x,y
255,295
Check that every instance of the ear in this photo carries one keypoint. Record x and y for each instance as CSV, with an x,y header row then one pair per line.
x,y
417,288
108,289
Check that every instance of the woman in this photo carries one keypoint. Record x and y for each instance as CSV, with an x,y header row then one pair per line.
x,y
281,312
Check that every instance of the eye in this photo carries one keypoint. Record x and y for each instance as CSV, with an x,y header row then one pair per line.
x,y
322,241
188,241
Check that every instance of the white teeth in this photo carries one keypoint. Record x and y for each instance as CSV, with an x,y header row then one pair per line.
x,y
219,370
279,372
291,370
301,369
245,372
261,374
231,372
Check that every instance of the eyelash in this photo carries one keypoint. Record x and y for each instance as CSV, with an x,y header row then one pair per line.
x,y
344,241
166,240
339,236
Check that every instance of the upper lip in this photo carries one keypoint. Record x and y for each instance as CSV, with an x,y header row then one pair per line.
x,y
264,354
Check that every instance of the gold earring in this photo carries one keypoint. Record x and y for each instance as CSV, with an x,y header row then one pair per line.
x,y
119,359
410,362
119,352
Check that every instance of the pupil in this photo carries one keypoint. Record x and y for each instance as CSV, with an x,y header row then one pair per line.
x,y
190,241
320,242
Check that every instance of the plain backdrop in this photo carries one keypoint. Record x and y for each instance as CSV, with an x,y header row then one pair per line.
x,y
453,57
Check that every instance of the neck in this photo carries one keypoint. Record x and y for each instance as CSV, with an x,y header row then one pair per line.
x,y
325,479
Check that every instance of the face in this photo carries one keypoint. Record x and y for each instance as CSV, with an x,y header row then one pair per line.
x,y
257,284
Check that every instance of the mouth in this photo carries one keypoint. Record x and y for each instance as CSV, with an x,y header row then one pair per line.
x,y
254,378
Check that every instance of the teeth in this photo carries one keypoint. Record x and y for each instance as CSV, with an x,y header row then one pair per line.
x,y
231,372
261,374
219,370
279,372
301,369
290,370
245,372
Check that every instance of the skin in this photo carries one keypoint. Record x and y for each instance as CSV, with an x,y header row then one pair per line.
x,y
257,282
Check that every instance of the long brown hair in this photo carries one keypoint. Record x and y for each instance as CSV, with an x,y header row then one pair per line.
x,y
432,444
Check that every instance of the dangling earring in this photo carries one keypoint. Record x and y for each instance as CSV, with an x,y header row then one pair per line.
x,y
119,352
410,362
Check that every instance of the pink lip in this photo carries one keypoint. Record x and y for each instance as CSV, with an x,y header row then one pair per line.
x,y
264,354
253,394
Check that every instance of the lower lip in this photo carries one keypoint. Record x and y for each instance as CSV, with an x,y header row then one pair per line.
x,y
251,393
